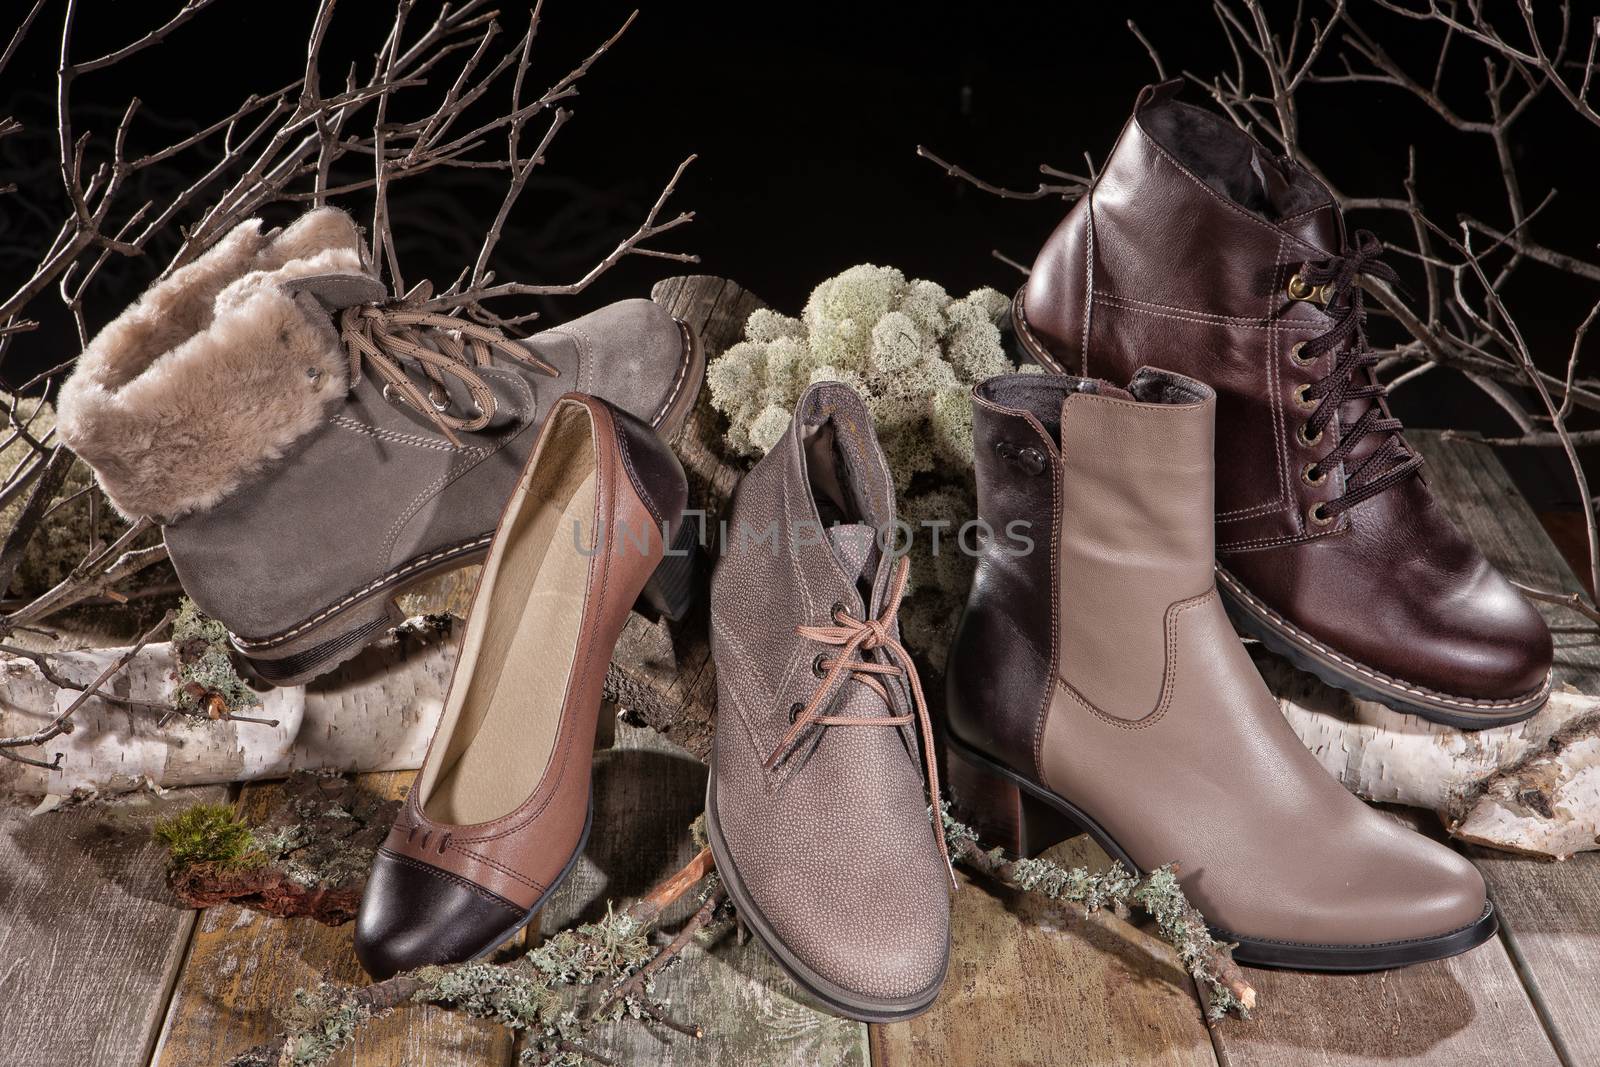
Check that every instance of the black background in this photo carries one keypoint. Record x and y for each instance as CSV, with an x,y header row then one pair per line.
x,y
806,119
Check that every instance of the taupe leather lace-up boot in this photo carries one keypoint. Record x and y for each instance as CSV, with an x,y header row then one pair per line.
x,y
1095,683
312,448
1197,243
501,808
816,808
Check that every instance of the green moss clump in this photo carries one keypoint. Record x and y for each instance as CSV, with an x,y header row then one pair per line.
x,y
207,833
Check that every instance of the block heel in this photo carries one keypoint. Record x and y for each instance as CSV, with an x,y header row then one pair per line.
x,y
1001,812
676,583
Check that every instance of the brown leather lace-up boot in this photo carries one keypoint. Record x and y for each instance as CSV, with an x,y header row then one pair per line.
x,y
1197,243
816,808
312,448
1096,683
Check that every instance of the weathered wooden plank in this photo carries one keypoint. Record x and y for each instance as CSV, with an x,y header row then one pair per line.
x,y
1469,1009
1029,984
90,939
1550,911
1550,915
243,966
647,792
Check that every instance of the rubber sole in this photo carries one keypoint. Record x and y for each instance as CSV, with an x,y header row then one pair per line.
x,y
1368,683
841,1001
339,631
1258,952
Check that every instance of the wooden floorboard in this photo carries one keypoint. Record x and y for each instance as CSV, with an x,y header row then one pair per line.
x,y
244,966
1030,984
1550,912
90,938
647,792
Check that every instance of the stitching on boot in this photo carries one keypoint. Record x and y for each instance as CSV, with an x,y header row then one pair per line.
x,y
580,341
1088,282
473,458
348,423
1057,474
683,374
1204,316
532,883
1169,672
633,475
1277,503
457,549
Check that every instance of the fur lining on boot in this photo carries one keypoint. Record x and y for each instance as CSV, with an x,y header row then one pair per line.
x,y
214,372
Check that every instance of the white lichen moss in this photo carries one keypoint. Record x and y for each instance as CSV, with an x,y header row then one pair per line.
x,y
913,352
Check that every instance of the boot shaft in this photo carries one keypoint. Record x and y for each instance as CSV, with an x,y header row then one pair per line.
x,y
1186,245
1191,223
1100,504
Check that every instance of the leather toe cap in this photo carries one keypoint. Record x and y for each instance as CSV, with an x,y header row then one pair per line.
x,y
1497,648
413,914
633,353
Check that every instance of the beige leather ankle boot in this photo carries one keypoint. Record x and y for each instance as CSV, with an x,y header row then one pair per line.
x,y
1096,683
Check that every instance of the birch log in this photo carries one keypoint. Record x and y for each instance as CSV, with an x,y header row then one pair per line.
x,y
1533,787
374,713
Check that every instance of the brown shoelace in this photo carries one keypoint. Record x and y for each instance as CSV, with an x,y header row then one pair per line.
x,y
384,334
853,636
1336,284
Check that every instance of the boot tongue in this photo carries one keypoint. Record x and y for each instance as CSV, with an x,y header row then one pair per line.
x,y
855,545
323,296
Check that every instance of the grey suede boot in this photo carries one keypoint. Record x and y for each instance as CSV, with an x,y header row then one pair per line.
x,y
312,448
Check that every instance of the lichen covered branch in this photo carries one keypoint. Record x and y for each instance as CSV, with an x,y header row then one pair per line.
x,y
535,993
1210,963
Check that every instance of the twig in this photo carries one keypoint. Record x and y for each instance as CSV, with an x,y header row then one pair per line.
x,y
636,981
1573,601
62,723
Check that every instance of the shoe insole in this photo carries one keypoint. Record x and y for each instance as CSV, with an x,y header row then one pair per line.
x,y
505,729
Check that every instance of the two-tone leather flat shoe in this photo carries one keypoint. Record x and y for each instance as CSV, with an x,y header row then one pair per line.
x,y
500,811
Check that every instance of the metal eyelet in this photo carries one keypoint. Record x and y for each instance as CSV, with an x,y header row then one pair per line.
x,y
816,665
1301,361
1300,289
391,394
838,610
1300,398
794,712
1305,475
1308,442
1318,514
